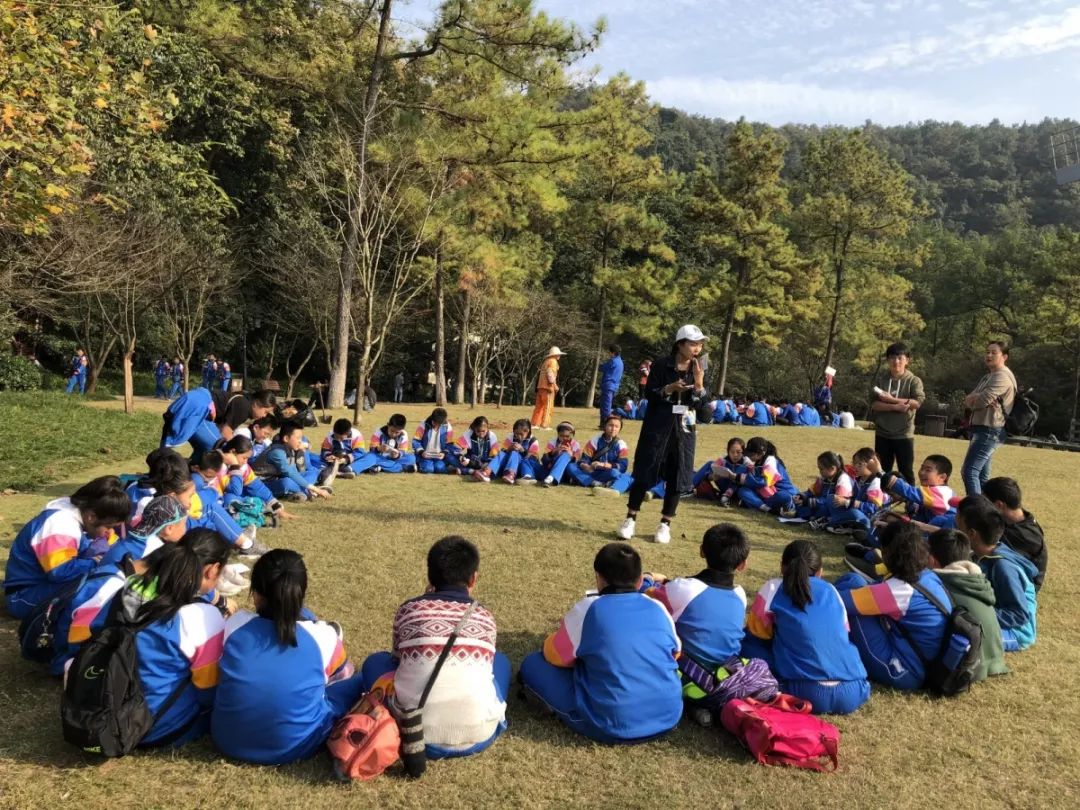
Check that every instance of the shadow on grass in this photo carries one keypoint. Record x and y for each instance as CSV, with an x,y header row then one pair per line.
x,y
454,517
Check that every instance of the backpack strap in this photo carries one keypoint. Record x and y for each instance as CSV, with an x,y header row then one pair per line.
x,y
933,600
445,654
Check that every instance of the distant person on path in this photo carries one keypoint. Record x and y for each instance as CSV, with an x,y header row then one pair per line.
x,y
162,370
896,396
643,376
80,365
399,387
612,371
547,384
177,378
665,449
209,372
990,402
224,374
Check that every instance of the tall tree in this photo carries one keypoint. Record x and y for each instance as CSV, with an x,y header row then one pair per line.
x,y
753,277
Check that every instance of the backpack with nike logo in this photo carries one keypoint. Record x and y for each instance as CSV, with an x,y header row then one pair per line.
x,y
102,709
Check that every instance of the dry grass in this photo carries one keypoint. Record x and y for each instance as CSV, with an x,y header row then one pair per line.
x,y
1014,742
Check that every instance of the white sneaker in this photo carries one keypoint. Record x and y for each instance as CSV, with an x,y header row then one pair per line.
x,y
626,530
663,534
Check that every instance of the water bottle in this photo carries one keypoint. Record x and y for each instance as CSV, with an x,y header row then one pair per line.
x,y
955,651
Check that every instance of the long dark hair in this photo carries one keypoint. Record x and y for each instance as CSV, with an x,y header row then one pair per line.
x,y
280,578
209,546
831,459
105,497
175,574
759,444
800,561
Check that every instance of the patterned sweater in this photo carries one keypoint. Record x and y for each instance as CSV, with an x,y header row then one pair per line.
x,y
463,708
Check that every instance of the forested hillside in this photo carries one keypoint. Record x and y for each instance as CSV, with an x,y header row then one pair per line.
x,y
317,192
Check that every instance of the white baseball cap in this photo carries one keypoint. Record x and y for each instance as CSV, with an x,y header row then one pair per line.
x,y
689,332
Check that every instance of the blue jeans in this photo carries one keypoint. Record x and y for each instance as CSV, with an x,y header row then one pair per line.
x,y
976,469
76,380
607,397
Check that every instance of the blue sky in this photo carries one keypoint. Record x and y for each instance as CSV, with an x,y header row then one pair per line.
x,y
842,61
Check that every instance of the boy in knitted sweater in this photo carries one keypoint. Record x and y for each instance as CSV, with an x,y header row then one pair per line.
x,y
466,710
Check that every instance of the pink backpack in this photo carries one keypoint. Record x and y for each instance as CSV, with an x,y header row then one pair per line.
x,y
783,732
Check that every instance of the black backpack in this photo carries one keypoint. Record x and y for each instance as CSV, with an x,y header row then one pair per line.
x,y
1020,421
38,629
102,709
948,674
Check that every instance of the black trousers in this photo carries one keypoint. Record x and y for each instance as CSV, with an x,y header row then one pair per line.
x,y
670,468
898,454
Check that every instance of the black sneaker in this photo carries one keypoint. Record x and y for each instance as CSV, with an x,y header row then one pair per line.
x,y
857,550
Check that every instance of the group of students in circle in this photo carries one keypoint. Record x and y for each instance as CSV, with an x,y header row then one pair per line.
x,y
267,683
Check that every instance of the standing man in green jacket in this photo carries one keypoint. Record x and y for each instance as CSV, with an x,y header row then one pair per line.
x,y
990,402
897,394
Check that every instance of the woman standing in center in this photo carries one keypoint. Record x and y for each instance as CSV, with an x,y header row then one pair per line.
x,y
674,389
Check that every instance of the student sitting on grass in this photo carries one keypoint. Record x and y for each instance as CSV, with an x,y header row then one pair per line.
x,y
260,432
179,643
466,709
275,704
391,446
208,507
57,546
711,484
766,484
1023,534
562,451
477,450
344,448
609,671
432,444
1011,574
238,481
816,504
799,625
928,503
519,460
881,612
950,554
284,467
855,513
708,608
603,462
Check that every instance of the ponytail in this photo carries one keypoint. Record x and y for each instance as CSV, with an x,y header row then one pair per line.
x,y
831,459
759,444
208,546
173,576
280,578
800,561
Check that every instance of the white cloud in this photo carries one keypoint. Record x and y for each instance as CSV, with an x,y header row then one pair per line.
x,y
967,44
780,102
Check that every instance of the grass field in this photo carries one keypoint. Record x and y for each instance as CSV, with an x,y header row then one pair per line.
x,y
1013,742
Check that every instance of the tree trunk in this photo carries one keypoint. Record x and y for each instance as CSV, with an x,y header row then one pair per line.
x,y
440,335
725,345
361,379
350,250
463,350
129,381
834,321
1076,386
295,375
599,350
97,363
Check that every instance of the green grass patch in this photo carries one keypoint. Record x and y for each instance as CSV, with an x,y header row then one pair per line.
x,y
49,436
1012,742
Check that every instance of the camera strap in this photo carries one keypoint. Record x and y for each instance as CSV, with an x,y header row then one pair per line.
x,y
445,654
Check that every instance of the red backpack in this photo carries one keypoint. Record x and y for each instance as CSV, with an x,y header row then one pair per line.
x,y
783,732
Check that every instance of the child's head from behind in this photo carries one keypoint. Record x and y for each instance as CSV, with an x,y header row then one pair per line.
x,y
453,562
948,546
438,416
1003,492
935,471
522,429
830,464
213,553
479,427
725,548
278,588
736,447
904,551
977,518
612,426
164,517
800,561
617,565
342,428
